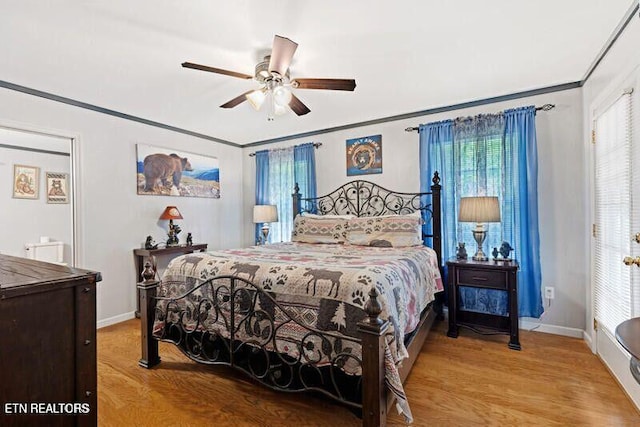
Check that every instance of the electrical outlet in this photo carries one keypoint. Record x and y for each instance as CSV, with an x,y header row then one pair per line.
x,y
549,292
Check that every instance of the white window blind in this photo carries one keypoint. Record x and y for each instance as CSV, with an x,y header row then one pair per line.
x,y
613,215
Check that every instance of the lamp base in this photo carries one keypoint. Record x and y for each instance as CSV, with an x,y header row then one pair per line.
x,y
173,234
265,234
479,234
480,256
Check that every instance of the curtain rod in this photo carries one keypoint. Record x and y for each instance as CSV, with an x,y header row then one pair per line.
x,y
315,144
545,107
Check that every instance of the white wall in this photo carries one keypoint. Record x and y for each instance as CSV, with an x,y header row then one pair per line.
x,y
25,220
113,219
561,189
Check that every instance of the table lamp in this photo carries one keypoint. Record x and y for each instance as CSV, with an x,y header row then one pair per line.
x,y
264,214
171,213
479,210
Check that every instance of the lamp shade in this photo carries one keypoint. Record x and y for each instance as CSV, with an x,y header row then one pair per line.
x,y
265,213
256,99
171,212
479,209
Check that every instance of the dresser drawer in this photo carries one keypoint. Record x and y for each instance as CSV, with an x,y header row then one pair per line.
x,y
482,278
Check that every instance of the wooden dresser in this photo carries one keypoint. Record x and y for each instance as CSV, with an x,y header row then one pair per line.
x,y
47,344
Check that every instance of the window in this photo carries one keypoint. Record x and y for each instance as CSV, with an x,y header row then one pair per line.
x,y
490,155
613,215
277,172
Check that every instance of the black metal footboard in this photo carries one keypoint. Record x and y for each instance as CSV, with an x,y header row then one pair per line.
x,y
228,320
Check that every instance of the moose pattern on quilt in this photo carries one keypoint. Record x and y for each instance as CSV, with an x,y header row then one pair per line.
x,y
324,286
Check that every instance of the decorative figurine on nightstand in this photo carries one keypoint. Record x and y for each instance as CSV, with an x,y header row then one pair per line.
x,y
174,230
150,244
495,254
461,252
505,250
189,239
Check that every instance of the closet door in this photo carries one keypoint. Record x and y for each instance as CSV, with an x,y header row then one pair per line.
x,y
616,250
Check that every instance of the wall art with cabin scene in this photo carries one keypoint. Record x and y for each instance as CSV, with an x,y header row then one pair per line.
x,y
168,172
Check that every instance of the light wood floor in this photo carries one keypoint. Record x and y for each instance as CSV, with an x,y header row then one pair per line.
x,y
471,380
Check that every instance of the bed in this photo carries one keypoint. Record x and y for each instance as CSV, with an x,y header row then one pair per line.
x,y
323,313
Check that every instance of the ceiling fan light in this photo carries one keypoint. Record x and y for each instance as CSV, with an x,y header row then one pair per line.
x,y
281,96
279,110
256,99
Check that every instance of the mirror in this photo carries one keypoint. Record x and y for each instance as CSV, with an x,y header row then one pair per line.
x,y
37,196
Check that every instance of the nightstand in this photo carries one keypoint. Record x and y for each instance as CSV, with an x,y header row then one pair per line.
x,y
501,275
141,254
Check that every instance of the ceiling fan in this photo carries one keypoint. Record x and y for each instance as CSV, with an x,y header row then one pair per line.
x,y
272,73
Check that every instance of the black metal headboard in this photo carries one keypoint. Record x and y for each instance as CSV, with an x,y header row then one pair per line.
x,y
363,198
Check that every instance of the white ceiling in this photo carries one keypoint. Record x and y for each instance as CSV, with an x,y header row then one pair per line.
x,y
405,56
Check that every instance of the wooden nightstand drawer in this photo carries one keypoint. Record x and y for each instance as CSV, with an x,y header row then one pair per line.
x,y
482,278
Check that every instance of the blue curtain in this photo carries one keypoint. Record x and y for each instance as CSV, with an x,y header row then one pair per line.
x,y
262,184
436,144
521,186
277,171
489,155
304,157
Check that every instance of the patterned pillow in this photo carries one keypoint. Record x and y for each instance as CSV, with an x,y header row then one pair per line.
x,y
393,230
313,230
310,215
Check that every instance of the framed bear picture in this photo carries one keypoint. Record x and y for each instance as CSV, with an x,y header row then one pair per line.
x,y
364,155
57,187
25,182
167,172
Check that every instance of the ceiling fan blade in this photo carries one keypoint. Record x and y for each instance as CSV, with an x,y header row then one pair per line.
x,y
281,54
297,106
216,70
329,84
237,100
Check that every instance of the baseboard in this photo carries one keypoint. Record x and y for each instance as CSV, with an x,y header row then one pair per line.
x,y
589,341
528,325
115,319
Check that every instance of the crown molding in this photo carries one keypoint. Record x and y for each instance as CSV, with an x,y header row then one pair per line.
x,y
98,109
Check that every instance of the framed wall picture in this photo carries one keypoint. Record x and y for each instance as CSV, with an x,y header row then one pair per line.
x,y
364,155
57,187
25,182
167,172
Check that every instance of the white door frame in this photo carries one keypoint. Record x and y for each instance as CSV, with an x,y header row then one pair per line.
x,y
74,169
602,342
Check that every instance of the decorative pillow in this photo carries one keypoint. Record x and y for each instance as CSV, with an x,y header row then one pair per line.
x,y
388,231
310,215
313,230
